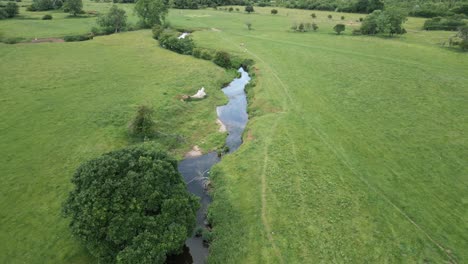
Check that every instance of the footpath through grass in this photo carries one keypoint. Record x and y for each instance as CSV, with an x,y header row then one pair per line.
x,y
64,103
357,152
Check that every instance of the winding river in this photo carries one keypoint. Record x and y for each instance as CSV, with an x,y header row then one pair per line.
x,y
195,170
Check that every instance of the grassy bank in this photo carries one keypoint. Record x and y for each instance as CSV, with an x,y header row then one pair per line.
x,y
64,103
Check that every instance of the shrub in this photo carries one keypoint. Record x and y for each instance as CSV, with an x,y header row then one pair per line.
x,y
157,30
3,14
47,17
207,236
313,15
384,22
356,32
168,39
274,11
330,16
361,19
196,52
131,206
115,19
237,9
142,126
448,23
78,37
42,5
222,59
206,55
231,9
249,9
314,26
74,7
339,28
342,18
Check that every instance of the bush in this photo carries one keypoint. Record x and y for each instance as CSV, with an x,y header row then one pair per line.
x,y
314,26
330,16
222,59
342,18
43,5
78,38
448,23
131,206
11,10
47,17
168,39
3,14
231,9
249,9
142,126
206,55
313,15
207,236
274,11
339,28
115,19
357,32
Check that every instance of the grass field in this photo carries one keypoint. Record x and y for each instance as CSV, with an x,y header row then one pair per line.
x,y
355,152
63,103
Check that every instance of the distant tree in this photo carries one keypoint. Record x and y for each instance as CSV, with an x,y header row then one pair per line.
x,y
249,9
314,26
131,206
390,22
274,11
249,25
237,9
339,28
11,10
115,19
342,18
463,36
330,17
231,9
368,6
74,7
151,12
301,27
313,15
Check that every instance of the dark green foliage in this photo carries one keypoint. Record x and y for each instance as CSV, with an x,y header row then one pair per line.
x,y
342,18
231,9
314,27
187,4
462,9
74,7
3,14
131,206
388,22
330,16
339,28
151,12
168,39
10,10
274,11
157,30
222,59
313,15
114,20
448,23
47,17
78,37
42,5
249,9
461,38
142,126
207,236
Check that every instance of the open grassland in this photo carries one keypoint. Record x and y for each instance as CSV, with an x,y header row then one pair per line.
x,y
355,153
357,150
64,103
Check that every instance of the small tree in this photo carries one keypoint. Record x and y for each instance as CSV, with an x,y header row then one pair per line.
x,y
231,9
142,125
74,7
249,9
151,12
342,18
313,15
249,25
115,19
274,11
11,10
463,36
314,26
339,28
131,206
301,27
330,17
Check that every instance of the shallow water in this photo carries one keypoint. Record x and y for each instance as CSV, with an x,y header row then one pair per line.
x,y
196,170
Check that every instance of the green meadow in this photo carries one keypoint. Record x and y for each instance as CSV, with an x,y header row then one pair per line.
x,y
355,151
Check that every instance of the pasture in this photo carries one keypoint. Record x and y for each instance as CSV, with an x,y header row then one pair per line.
x,y
355,151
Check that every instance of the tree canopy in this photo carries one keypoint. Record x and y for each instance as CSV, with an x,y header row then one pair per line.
x,y
131,206
74,7
116,19
388,22
151,12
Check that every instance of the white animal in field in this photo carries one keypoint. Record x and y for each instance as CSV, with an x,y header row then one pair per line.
x,y
200,94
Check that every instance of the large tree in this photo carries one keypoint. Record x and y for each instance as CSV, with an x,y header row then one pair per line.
x,y
151,12
131,206
116,19
74,7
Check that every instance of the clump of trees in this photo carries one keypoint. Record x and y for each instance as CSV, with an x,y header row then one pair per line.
x,y
169,39
42,5
10,10
304,27
114,21
131,206
151,12
388,22
451,23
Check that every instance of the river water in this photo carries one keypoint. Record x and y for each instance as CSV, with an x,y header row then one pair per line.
x,y
195,170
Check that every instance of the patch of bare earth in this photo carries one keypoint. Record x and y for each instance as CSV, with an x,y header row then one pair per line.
x,y
195,152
